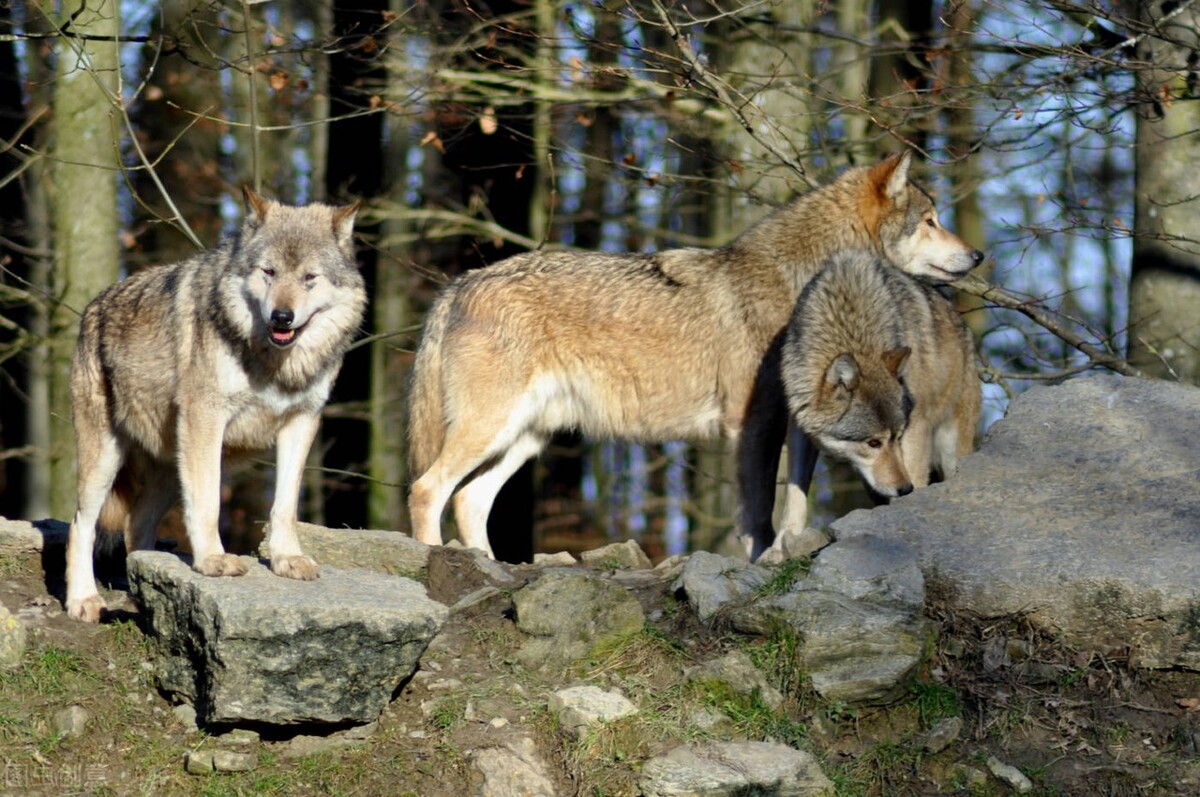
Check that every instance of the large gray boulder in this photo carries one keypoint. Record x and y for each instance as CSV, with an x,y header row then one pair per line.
x,y
1081,508
266,649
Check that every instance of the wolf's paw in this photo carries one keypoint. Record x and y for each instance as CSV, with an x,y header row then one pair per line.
x,y
771,556
88,610
221,564
301,568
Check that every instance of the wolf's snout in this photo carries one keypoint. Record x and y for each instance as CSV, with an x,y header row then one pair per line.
x,y
904,489
283,334
977,256
282,319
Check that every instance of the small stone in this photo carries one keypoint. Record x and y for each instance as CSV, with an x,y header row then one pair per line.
x,y
579,707
239,737
229,761
498,723
970,777
560,559
304,745
198,762
1010,775
185,713
13,640
736,671
943,734
626,555
70,721
707,719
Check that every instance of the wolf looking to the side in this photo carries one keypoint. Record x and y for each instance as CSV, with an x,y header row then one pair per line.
x,y
652,347
229,352
878,370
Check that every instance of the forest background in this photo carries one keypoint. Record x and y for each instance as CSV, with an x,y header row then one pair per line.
x,y
1060,137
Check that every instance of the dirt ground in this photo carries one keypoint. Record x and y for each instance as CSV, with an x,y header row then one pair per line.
x,y
1074,722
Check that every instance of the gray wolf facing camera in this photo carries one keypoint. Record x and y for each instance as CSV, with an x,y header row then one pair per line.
x,y
229,352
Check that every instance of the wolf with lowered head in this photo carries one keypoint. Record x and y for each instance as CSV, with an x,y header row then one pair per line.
x,y
230,352
877,369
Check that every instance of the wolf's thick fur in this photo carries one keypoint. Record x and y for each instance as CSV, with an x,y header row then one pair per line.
x,y
229,352
653,347
877,369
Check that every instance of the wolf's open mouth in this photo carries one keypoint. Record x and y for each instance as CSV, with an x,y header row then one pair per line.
x,y
284,337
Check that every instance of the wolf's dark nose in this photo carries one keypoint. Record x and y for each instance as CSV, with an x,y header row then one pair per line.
x,y
904,489
977,257
282,319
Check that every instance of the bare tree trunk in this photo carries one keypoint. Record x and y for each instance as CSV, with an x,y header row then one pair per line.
x,y
393,318
85,212
1164,289
965,174
24,227
765,65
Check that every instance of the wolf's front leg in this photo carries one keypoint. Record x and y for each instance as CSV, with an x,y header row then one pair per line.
x,y
292,445
795,537
200,432
758,449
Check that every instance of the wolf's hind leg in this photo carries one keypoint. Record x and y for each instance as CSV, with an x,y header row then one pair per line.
x,y
469,443
159,492
100,459
473,501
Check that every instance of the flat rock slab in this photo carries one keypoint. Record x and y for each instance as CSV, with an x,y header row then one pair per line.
x,y
265,649
1081,508
368,549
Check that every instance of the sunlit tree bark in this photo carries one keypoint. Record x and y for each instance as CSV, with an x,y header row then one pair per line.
x,y
85,211
1164,290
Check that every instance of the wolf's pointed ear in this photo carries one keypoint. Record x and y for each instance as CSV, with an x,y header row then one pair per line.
x,y
842,372
256,207
895,359
891,177
343,225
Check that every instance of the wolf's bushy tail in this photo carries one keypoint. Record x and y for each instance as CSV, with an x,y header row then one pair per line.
x,y
426,395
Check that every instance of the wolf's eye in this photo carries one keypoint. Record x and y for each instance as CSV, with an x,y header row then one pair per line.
x,y
931,222
310,277
875,442
270,272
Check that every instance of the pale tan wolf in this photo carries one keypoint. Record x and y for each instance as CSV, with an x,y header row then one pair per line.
x,y
652,347
229,352
877,369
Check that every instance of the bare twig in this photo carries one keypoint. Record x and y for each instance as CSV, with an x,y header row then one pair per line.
x,y
1098,355
716,85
